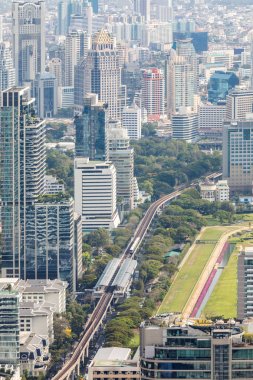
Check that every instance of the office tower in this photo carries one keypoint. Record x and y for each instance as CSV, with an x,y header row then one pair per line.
x,y
142,7
53,240
95,5
220,84
245,278
173,349
45,93
28,39
153,93
251,60
95,194
63,17
184,125
91,127
119,152
237,155
131,120
239,104
23,165
72,57
9,328
211,118
55,68
185,48
7,71
164,10
180,83
102,73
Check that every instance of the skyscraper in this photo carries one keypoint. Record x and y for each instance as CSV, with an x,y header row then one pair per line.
x,y
7,72
28,39
64,13
180,83
45,93
72,56
239,104
131,120
23,165
90,129
142,7
153,92
102,72
185,125
119,152
237,155
95,194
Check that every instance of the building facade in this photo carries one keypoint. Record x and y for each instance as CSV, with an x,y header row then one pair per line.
x,y
131,120
95,194
185,125
239,104
196,351
45,93
7,71
28,39
245,278
91,128
153,93
220,84
238,155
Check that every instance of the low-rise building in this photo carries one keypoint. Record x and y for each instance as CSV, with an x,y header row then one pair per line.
x,y
212,192
53,186
34,354
114,363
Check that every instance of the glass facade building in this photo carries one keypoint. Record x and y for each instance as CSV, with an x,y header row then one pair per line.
x,y
90,129
219,85
9,328
208,351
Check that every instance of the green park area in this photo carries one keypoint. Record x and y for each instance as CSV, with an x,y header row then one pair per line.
x,y
188,275
223,300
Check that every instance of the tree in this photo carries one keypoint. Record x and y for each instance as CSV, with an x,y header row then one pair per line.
x,y
99,238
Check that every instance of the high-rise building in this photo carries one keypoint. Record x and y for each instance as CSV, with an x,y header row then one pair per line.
x,y
142,7
180,83
220,84
95,194
72,57
119,152
53,240
90,128
7,71
239,104
245,278
163,10
211,118
184,125
95,5
64,13
28,39
55,68
23,165
153,93
170,349
9,328
101,73
237,155
185,48
131,120
45,94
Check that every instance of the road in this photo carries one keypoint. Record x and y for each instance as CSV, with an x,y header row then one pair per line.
x,y
100,310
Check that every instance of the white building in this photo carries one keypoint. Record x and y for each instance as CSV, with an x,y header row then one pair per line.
x,y
212,192
115,362
39,291
225,57
7,71
131,120
52,185
55,67
239,104
185,125
119,152
211,118
37,318
96,194
66,97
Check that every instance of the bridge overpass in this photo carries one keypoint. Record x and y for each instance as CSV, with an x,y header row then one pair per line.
x,y
72,366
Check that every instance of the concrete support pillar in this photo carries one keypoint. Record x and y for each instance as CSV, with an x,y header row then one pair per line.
x,y
87,351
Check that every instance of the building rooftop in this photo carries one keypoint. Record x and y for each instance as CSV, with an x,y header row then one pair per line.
x,y
112,354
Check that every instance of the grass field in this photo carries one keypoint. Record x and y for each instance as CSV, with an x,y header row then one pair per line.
x,y
223,300
186,279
